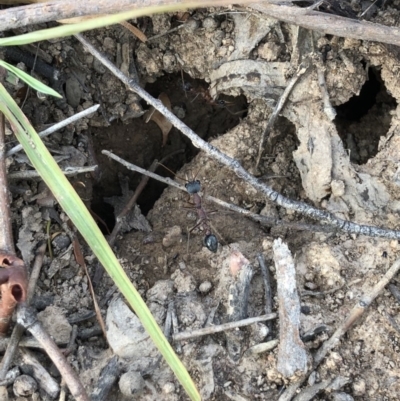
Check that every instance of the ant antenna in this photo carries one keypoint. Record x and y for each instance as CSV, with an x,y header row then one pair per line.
x,y
174,174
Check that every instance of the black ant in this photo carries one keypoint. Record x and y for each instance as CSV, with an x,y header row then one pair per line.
x,y
193,188
210,240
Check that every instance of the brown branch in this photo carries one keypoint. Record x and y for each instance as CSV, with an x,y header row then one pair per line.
x,y
331,24
26,316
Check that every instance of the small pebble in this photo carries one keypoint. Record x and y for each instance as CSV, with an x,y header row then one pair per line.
x,y
131,383
205,286
359,387
191,25
210,24
168,388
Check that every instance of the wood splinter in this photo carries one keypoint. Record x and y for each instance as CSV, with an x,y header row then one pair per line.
x,y
292,356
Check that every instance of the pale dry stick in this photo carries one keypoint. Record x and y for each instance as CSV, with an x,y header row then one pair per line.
x,y
328,386
267,283
26,342
31,174
329,110
236,167
292,355
205,331
57,10
354,315
329,23
302,69
265,220
18,329
26,317
41,375
58,126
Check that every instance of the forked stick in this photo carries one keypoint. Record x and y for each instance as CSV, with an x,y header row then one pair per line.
x,y
234,165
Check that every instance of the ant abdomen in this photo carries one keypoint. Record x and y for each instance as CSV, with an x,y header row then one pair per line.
x,y
211,242
193,187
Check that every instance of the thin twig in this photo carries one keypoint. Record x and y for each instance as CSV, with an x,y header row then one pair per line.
x,y
330,24
30,174
235,166
329,110
58,126
119,221
278,107
265,220
186,335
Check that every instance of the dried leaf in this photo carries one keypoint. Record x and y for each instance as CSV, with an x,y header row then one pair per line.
x,y
13,287
163,123
137,32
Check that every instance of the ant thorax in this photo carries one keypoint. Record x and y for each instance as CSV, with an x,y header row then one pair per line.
x,y
193,187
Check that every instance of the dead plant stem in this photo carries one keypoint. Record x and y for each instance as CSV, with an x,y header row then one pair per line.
x,y
18,329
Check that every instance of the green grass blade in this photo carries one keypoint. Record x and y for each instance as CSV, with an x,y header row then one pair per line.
x,y
79,215
32,82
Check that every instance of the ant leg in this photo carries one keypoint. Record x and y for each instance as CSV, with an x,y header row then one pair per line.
x,y
197,225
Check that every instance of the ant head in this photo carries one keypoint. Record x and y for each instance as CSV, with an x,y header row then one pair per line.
x,y
211,242
187,86
193,187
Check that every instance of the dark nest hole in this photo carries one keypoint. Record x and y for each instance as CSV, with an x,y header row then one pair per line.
x,y
365,118
141,143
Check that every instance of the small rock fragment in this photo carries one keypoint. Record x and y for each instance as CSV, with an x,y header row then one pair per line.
x,y
56,324
24,386
131,383
172,237
210,24
168,388
205,286
292,355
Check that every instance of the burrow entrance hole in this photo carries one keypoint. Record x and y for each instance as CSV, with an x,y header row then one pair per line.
x,y
140,143
365,118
